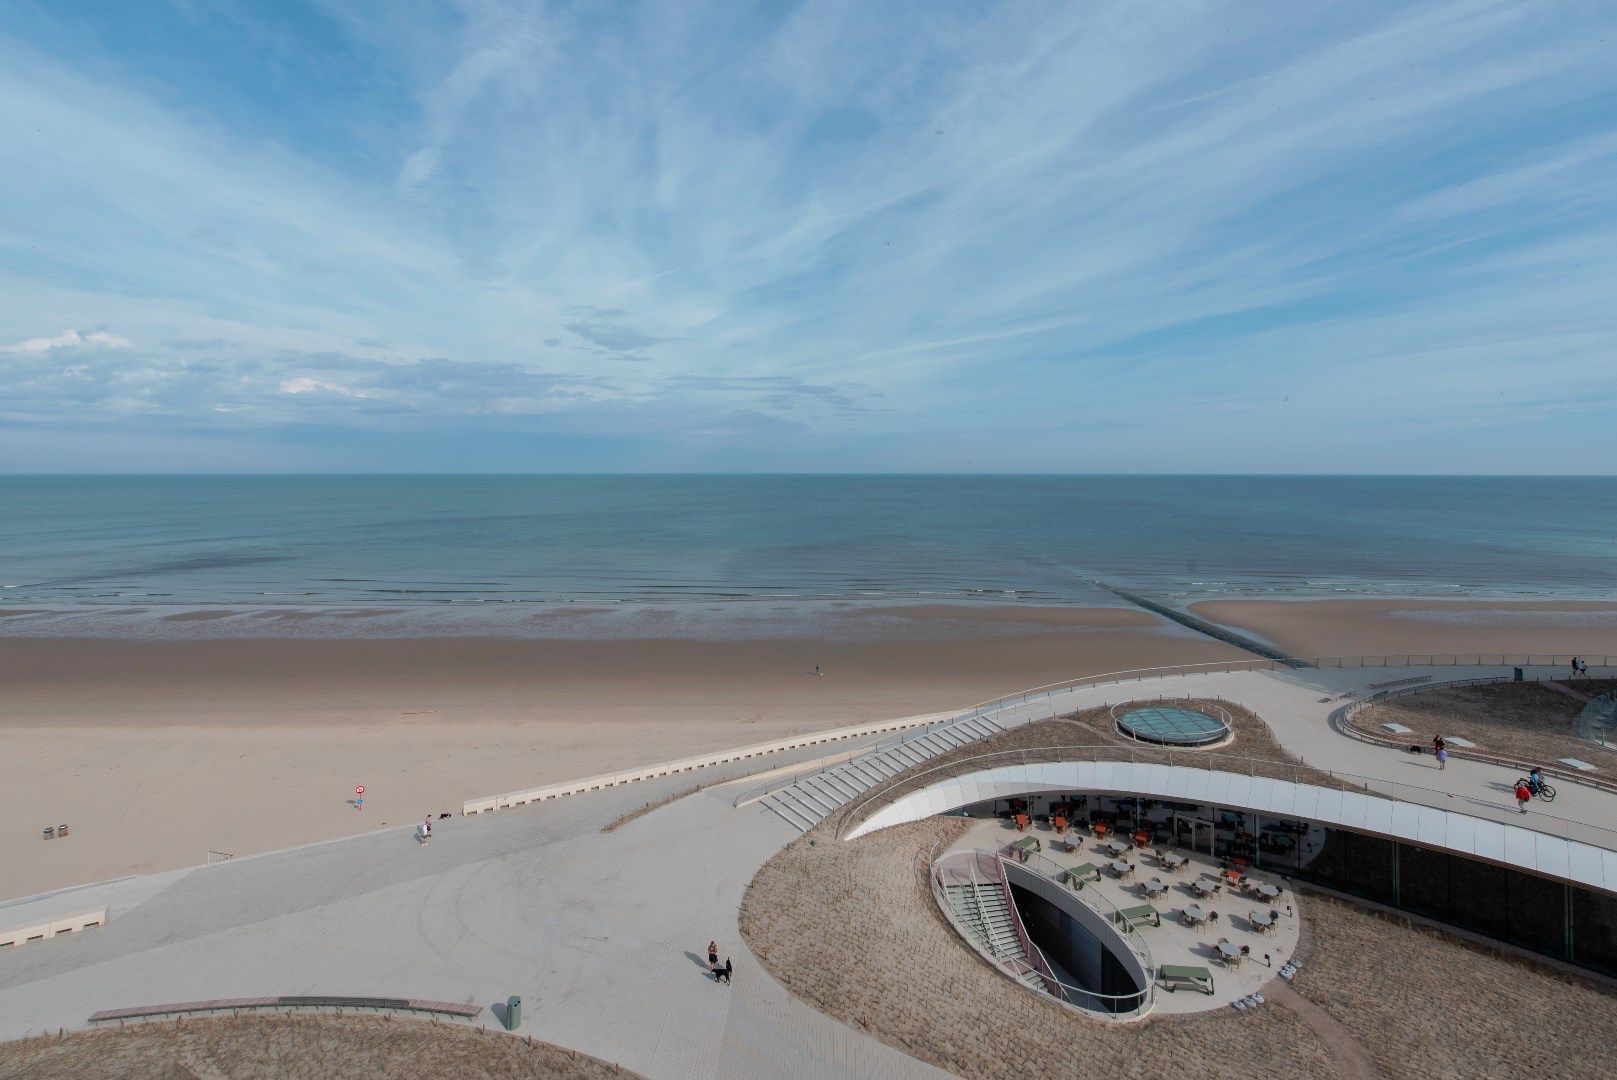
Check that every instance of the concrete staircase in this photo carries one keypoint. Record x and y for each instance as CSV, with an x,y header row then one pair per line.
x,y
984,913
810,800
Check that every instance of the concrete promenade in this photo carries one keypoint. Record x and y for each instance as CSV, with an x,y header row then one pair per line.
x,y
601,934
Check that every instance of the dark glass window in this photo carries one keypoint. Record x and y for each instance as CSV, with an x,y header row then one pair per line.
x,y
1594,931
1537,913
1423,881
1479,895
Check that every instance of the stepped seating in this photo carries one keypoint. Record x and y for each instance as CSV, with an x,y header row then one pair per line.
x,y
813,798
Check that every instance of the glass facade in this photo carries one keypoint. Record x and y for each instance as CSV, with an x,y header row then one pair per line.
x,y
1549,917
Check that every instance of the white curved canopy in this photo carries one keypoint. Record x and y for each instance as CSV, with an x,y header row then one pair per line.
x,y
1442,830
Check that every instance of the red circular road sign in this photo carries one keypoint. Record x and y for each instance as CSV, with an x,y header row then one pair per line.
x,y
360,790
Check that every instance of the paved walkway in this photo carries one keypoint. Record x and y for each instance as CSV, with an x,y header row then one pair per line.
x,y
600,934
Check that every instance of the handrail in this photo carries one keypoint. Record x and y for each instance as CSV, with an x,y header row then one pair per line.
x,y
1141,998
1023,697
1345,781
1131,934
1339,720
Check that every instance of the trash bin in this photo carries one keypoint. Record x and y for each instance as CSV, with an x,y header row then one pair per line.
x,y
513,1013
1519,677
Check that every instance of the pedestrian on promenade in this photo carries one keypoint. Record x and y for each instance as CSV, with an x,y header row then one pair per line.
x,y
426,830
713,954
1523,793
1577,666
1442,758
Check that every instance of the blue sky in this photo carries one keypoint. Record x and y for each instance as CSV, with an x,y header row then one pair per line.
x,y
1251,236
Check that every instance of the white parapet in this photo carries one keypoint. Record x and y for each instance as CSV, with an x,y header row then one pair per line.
x,y
60,924
702,761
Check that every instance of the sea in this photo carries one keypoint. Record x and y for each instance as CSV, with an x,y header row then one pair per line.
x,y
428,554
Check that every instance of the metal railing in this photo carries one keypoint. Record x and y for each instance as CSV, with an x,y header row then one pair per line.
x,y
1084,682
1339,719
992,865
1294,772
1129,933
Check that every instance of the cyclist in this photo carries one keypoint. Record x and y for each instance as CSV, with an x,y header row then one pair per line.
x,y
1535,781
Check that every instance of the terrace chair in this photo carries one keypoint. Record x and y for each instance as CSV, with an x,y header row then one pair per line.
x,y
1177,977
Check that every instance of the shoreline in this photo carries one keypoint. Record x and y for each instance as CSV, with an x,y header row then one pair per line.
x,y
156,752
1342,627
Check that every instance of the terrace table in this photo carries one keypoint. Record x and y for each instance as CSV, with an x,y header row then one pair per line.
x,y
1266,891
1122,867
1206,886
1229,952
1194,914
1155,887
1262,920
1115,847
1173,861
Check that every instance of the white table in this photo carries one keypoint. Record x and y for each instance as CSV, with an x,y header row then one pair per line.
x,y
1155,887
1195,913
1266,890
1122,868
1262,920
1229,952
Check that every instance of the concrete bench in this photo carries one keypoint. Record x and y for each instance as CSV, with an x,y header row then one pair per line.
x,y
1175,977
235,1005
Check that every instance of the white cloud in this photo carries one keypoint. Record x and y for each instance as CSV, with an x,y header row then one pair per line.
x,y
305,385
68,339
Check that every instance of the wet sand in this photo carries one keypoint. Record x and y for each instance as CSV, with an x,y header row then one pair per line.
x,y
1359,627
156,752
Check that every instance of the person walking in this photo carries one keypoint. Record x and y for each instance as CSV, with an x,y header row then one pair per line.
x,y
713,954
1442,758
426,831
1577,665
1523,793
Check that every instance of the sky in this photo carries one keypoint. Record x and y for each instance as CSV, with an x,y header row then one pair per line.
x,y
815,236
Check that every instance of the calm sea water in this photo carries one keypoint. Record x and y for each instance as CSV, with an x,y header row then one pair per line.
x,y
442,540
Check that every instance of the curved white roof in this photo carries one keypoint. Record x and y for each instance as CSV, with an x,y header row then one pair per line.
x,y
1443,830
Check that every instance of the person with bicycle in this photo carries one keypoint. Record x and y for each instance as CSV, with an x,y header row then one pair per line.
x,y
1536,784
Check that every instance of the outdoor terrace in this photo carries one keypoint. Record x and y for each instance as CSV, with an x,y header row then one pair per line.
x,y
1173,942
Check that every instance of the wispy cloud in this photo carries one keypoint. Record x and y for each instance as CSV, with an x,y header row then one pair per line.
x,y
68,339
996,236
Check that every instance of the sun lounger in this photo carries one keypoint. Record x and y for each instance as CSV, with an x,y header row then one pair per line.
x,y
1175,977
1141,913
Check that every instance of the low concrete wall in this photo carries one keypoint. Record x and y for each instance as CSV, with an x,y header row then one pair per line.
x,y
62,924
668,768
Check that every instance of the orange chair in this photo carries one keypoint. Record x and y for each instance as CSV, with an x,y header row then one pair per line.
x,y
1021,822
1059,824
1101,829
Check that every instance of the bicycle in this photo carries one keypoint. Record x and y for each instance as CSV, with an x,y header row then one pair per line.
x,y
1542,791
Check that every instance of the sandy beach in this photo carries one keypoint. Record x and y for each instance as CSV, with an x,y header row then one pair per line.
x,y
158,752
1360,627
